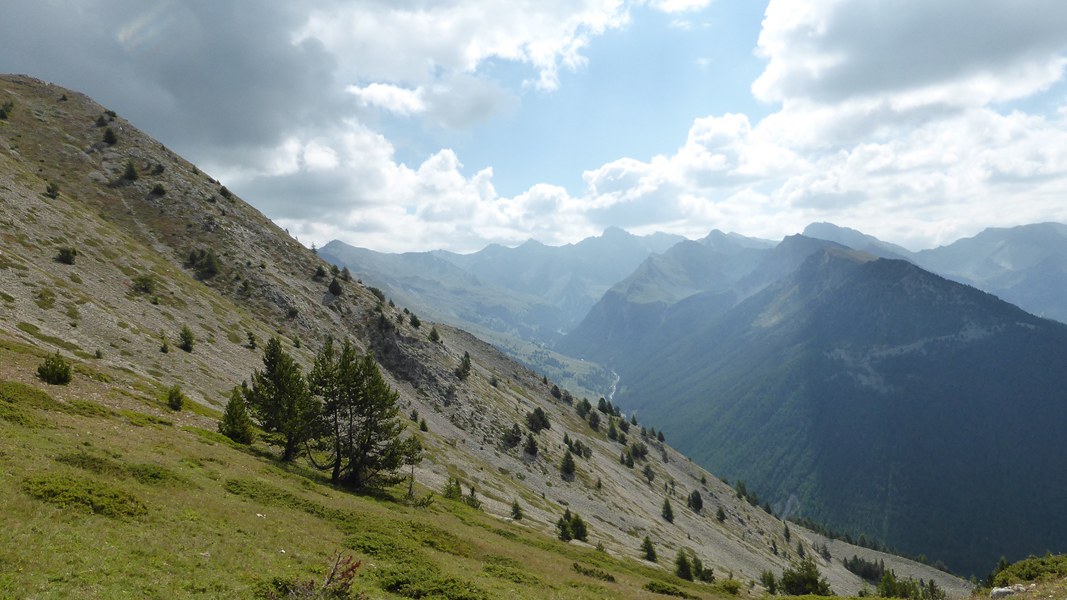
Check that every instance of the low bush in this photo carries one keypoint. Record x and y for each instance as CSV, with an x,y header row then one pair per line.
x,y
658,587
54,370
66,255
175,398
84,494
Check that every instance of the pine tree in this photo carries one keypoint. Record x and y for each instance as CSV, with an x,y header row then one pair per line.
x,y
578,529
434,336
720,515
668,512
464,369
566,467
563,526
362,420
335,287
235,423
682,568
516,510
280,401
648,550
530,447
130,173
695,502
650,475
512,437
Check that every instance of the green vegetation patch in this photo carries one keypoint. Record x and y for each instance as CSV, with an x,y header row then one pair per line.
x,y
35,331
140,419
593,572
1050,566
512,574
210,437
658,587
265,493
145,473
426,581
13,392
84,494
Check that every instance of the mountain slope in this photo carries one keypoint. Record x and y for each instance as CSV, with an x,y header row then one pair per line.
x,y
212,520
887,400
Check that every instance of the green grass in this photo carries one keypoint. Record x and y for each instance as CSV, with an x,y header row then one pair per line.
x,y
109,502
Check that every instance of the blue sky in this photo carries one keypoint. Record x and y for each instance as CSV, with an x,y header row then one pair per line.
x,y
418,124
641,89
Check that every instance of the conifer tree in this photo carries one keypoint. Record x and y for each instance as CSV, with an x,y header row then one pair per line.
x,y
563,526
566,467
695,502
668,512
235,423
648,550
516,510
530,447
464,369
280,401
186,339
361,420
682,568
720,515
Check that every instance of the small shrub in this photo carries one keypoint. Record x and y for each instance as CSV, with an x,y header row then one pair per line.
x,y
175,397
731,586
109,137
66,255
144,284
434,336
225,193
102,121
204,262
186,339
54,370
335,287
130,173
158,190
52,190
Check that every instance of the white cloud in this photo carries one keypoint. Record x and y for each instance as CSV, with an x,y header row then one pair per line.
x,y
393,98
911,52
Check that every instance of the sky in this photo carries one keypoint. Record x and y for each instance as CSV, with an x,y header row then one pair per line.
x,y
406,125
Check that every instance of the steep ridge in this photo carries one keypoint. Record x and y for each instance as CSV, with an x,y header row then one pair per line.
x,y
105,315
887,400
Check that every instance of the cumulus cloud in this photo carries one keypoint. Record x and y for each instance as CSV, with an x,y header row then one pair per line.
x,y
887,117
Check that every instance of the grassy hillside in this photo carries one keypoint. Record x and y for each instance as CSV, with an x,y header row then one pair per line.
x,y
109,492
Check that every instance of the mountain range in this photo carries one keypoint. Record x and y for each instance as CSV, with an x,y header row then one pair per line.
x,y
784,364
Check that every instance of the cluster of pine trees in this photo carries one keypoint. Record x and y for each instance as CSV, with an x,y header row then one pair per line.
x,y
343,415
